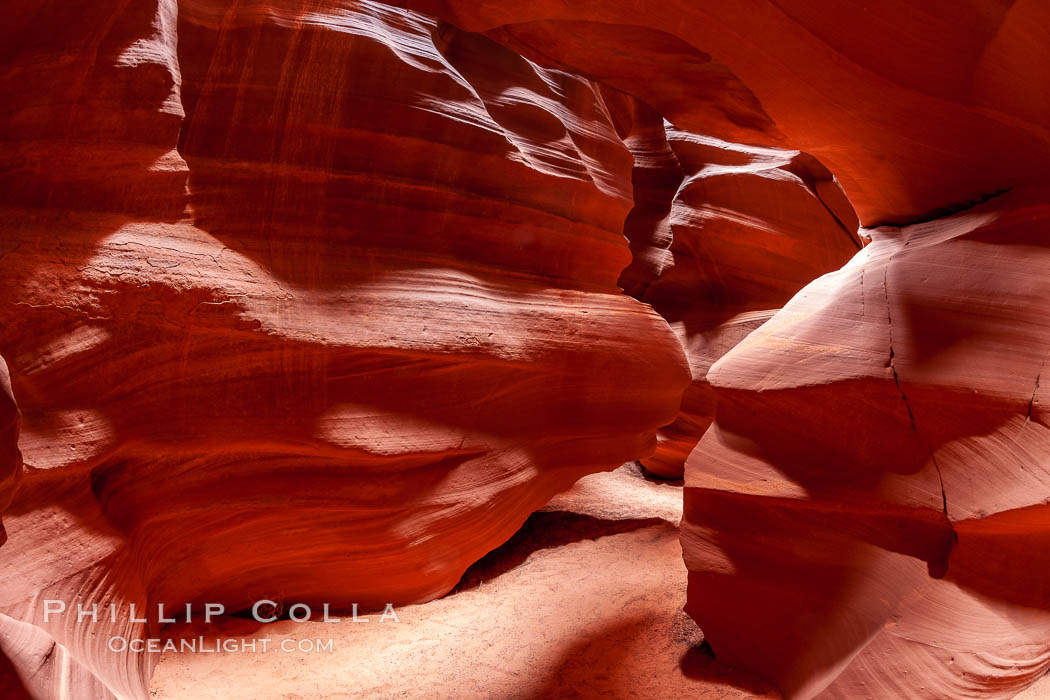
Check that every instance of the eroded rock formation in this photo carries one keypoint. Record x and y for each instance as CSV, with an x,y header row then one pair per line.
x,y
953,112
893,477
855,482
724,234
384,331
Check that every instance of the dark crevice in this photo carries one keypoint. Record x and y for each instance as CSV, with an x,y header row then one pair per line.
x,y
863,303
1028,415
941,212
47,657
811,171
853,236
1035,390
545,530
811,186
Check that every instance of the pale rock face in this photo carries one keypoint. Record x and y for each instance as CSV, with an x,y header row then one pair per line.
x,y
879,446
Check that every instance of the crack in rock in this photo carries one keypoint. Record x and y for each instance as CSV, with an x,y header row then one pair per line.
x,y
904,397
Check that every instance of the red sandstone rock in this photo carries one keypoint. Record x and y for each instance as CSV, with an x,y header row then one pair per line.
x,y
655,178
915,109
668,74
386,330
722,235
584,601
823,508
10,457
750,226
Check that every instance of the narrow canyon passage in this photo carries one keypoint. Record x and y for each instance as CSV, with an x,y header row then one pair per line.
x,y
584,601
361,304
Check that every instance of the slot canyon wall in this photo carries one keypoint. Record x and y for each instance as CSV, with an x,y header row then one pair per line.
x,y
867,514
743,229
289,332
10,457
318,301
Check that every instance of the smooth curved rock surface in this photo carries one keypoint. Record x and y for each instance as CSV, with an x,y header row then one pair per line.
x,y
722,235
385,329
916,109
880,445
749,227
861,519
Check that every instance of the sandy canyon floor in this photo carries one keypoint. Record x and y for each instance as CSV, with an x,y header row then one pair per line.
x,y
584,602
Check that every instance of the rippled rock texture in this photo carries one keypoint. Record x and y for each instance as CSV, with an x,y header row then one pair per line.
x,y
875,484
318,307
915,108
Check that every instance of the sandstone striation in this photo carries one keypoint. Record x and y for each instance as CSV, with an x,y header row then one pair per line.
x,y
860,519
952,112
341,315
